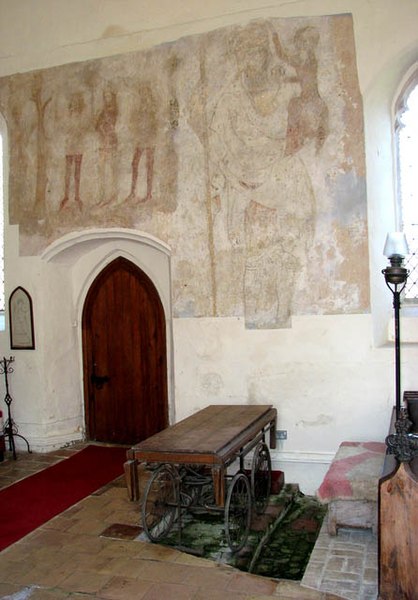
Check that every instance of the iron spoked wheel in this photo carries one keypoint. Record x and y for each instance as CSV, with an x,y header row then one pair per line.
x,y
261,477
160,503
238,512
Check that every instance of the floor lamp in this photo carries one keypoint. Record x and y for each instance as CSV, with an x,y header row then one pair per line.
x,y
396,275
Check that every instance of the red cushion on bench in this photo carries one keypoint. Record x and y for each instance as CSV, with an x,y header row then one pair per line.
x,y
354,472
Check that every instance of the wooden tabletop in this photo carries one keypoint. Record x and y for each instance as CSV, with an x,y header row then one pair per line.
x,y
210,436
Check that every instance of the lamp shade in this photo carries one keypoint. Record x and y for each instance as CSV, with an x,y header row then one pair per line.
x,y
396,244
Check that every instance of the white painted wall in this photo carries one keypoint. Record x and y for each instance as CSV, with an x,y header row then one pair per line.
x,y
330,377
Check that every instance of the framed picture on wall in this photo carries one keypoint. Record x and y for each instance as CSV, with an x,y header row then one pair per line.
x,y
21,320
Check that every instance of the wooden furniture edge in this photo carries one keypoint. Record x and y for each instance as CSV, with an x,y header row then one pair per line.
x,y
397,527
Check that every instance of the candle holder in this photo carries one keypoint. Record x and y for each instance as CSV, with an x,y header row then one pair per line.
x,y
10,429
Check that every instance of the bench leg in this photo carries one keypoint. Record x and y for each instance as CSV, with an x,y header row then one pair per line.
x,y
131,478
332,524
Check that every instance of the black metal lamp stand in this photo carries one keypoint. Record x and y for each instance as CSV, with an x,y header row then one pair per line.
x,y
395,277
10,428
404,443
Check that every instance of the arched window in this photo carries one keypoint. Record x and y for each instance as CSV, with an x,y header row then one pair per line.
x,y
406,135
1,238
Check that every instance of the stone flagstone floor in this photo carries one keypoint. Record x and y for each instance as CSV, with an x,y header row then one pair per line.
x,y
345,564
76,556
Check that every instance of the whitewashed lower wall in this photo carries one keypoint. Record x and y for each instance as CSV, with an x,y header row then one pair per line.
x,y
323,375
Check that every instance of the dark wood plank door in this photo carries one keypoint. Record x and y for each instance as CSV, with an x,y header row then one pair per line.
x,y
124,354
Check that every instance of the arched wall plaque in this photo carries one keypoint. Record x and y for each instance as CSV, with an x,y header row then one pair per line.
x,y
21,320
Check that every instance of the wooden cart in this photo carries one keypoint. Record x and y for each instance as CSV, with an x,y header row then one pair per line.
x,y
190,462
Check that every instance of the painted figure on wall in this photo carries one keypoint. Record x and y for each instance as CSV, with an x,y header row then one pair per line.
x,y
168,151
41,106
144,126
106,129
76,132
308,113
271,206
20,139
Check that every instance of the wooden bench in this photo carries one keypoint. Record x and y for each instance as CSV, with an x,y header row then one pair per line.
x,y
350,486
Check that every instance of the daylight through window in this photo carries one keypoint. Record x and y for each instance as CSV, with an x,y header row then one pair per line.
x,y
1,239
407,142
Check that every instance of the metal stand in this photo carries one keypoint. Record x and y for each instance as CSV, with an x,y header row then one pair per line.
x,y
395,277
10,428
396,307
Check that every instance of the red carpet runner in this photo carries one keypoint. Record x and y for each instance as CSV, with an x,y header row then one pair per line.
x,y
29,503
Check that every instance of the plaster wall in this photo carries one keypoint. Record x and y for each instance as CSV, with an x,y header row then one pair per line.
x,y
330,376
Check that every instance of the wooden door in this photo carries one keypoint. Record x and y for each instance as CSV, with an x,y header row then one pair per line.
x,y
124,354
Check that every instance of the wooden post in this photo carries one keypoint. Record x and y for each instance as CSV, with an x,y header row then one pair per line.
x,y
131,478
398,540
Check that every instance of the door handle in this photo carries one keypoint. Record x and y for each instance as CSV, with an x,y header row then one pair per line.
x,y
98,380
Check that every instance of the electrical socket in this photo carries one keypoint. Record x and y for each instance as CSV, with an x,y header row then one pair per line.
x,y
281,434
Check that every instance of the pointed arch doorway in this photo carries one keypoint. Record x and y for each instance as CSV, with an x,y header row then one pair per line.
x,y
124,356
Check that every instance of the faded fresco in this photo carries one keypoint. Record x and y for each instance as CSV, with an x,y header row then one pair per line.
x,y
241,148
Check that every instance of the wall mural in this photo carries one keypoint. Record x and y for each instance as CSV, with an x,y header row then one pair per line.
x,y
242,148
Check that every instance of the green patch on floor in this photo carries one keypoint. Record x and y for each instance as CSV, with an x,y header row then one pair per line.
x,y
287,552
279,544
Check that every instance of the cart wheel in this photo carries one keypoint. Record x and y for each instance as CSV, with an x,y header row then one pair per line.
x,y
160,502
238,512
261,477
